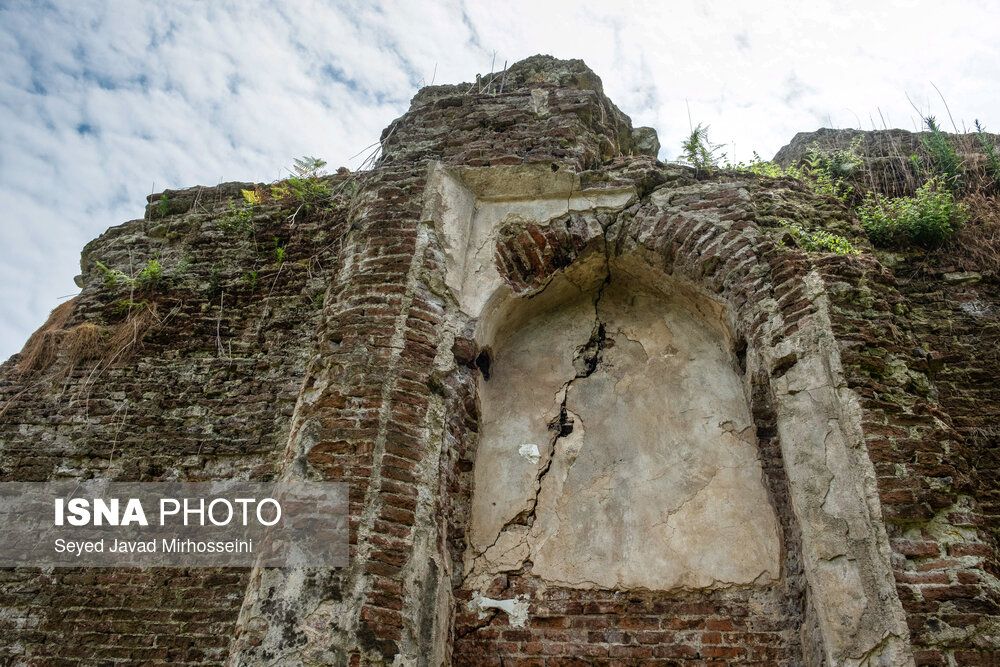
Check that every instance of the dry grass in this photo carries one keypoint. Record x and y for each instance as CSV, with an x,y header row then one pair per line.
x,y
976,246
83,342
127,336
42,347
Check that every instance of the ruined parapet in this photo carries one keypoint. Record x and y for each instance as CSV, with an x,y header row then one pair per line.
x,y
890,161
588,405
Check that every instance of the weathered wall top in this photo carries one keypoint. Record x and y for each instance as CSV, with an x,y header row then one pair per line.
x,y
539,110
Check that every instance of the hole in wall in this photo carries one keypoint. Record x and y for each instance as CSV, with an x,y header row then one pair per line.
x,y
782,365
740,350
484,363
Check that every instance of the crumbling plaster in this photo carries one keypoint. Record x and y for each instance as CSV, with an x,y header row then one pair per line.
x,y
648,476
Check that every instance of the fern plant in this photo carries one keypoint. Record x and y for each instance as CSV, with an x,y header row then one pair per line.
x,y
308,166
830,168
945,162
699,152
306,189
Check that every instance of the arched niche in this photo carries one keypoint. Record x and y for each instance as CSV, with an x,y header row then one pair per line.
x,y
519,246
617,449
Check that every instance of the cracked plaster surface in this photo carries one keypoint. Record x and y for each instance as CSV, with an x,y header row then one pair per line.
x,y
648,475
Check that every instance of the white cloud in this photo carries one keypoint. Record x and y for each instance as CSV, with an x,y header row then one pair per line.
x,y
99,100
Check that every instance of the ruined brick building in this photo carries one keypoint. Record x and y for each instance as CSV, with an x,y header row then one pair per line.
x,y
593,409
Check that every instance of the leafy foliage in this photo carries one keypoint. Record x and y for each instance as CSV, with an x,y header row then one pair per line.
x,y
818,241
239,220
825,170
761,167
251,197
837,163
149,278
279,252
829,169
151,274
305,189
926,219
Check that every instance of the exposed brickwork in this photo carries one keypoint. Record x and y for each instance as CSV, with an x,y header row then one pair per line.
x,y
927,379
206,392
606,627
100,616
536,113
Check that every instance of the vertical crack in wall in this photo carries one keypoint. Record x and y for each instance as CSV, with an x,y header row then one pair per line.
x,y
586,360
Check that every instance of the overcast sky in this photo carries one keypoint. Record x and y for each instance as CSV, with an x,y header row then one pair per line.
x,y
101,102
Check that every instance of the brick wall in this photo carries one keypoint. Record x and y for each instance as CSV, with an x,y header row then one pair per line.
x,y
921,357
351,361
201,390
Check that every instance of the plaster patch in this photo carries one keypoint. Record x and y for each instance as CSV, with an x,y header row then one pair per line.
x,y
530,452
515,608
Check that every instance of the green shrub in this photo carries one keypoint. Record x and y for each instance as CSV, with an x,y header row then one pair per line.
x,y
239,220
818,241
762,167
836,163
149,278
926,219
151,275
